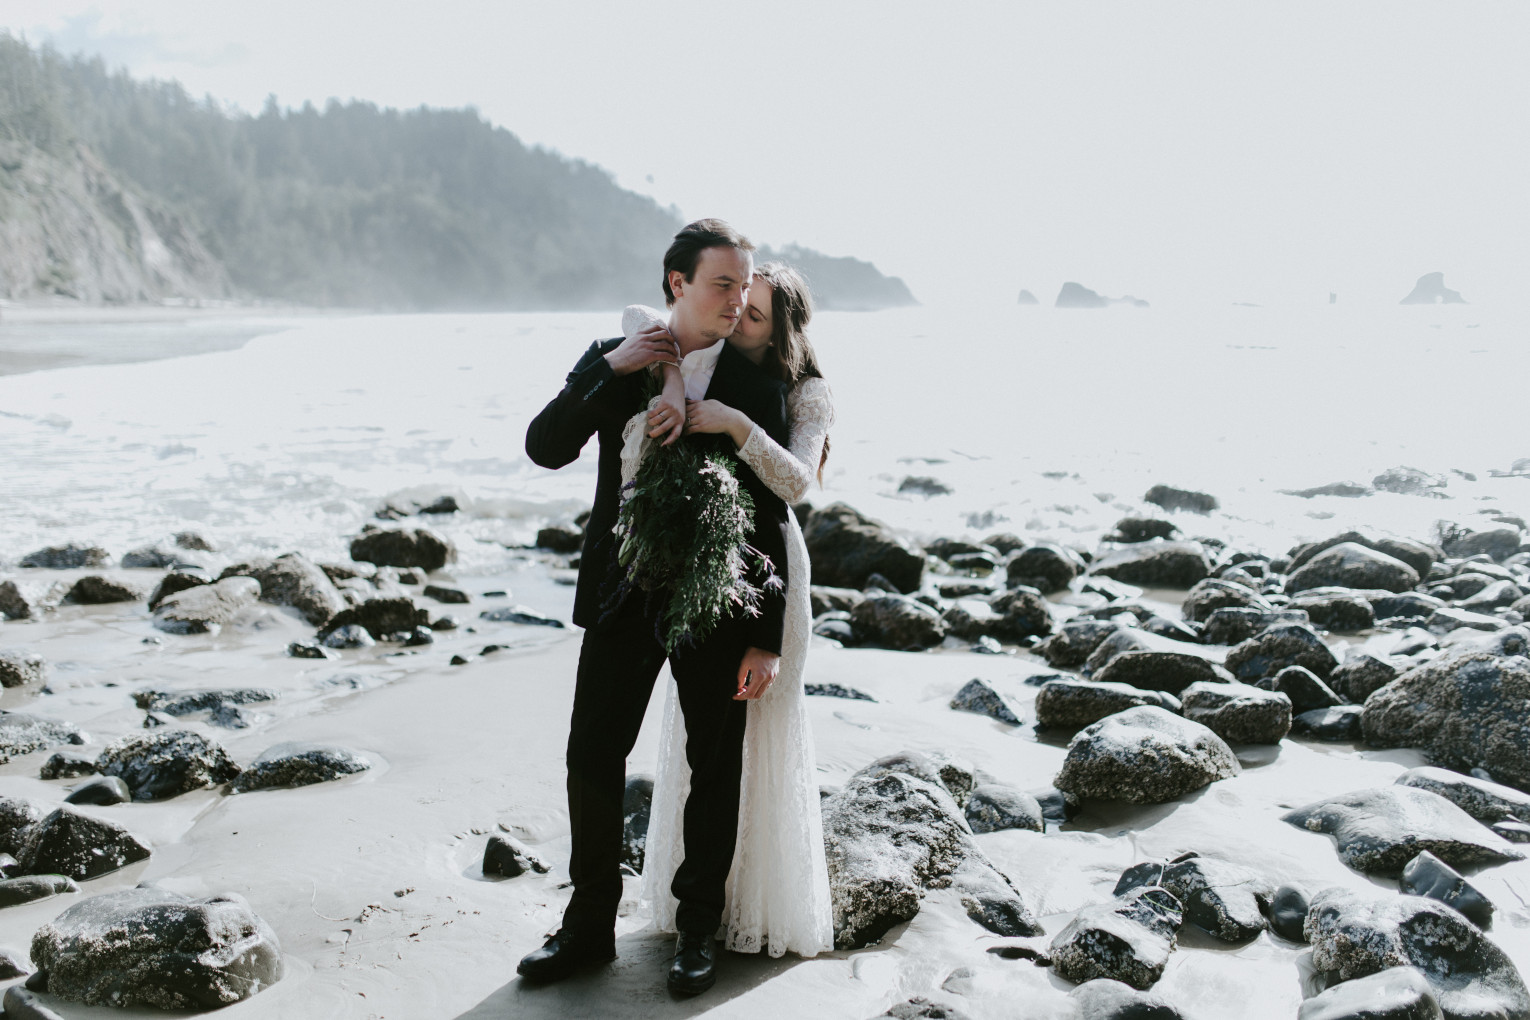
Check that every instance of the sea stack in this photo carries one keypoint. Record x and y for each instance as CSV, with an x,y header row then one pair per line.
x,y
1431,290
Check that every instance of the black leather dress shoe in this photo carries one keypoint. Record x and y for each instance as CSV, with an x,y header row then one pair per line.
x,y
695,966
563,954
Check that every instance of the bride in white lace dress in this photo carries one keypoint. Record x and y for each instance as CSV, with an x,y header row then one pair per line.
x,y
778,890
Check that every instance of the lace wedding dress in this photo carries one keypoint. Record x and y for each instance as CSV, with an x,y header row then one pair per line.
x,y
778,890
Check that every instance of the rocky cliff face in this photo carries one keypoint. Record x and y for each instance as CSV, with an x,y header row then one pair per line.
x,y
70,228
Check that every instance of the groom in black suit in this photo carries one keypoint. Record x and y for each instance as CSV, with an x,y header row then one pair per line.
x,y
707,272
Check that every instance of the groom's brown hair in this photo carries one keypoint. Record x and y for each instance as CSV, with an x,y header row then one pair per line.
x,y
685,250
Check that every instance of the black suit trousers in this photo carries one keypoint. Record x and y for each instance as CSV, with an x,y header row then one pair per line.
x,y
618,663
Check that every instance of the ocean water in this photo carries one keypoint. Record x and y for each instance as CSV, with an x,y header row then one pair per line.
x,y
1047,423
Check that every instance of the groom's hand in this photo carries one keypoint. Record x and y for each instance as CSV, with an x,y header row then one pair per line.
x,y
756,673
643,348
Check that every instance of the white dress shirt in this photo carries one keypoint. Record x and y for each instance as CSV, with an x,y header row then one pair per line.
x,y
696,369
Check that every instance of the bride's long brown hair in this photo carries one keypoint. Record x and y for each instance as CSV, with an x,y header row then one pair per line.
x,y
790,354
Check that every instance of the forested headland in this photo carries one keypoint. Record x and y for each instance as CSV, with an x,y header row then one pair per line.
x,y
116,190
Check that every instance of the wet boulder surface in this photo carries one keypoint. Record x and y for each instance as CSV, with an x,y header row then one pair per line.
x,y
17,669
1046,567
1427,875
1334,725
896,621
1352,565
205,608
1127,939
28,888
293,580
1144,755
1355,936
299,764
980,697
1159,671
80,846
22,733
402,547
846,548
1397,993
992,807
1107,999
893,832
1488,802
378,617
1379,830
1303,687
509,858
1234,625
1276,647
1212,594
152,947
1071,645
1072,704
1360,676
1238,713
1156,564
160,765
1223,899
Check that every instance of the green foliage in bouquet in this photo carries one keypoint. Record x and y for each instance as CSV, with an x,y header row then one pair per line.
x,y
683,532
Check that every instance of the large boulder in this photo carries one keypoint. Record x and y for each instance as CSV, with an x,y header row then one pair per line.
x,y
379,617
991,808
1046,567
1427,875
297,764
1156,564
1485,801
1072,704
294,580
1238,713
1355,936
1212,594
17,668
1023,614
23,601
894,831
1466,709
153,947
1275,648
160,765
847,548
979,696
177,580
67,557
1159,671
1234,625
1070,647
78,845
1352,565
1127,939
96,590
1170,498
1336,611
1360,676
1499,543
1381,829
1303,687
1415,554
1226,900
896,621
1115,644
402,547
1144,755
1108,999
17,817
206,608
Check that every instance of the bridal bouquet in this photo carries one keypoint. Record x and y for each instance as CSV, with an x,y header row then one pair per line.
x,y
683,533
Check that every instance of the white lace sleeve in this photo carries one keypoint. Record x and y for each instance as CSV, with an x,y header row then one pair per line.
x,y
790,473
639,317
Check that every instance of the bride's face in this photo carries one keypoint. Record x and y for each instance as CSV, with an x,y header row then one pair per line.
x,y
752,334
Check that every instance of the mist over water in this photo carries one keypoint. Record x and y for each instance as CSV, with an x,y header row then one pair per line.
x,y
1048,423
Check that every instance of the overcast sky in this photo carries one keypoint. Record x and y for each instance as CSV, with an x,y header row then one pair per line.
x,y
1181,152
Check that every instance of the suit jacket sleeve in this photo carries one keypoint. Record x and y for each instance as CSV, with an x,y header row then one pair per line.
x,y
765,631
591,396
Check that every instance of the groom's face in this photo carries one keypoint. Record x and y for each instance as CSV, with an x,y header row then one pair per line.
x,y
713,299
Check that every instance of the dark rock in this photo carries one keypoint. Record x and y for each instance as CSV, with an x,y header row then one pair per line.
x,y
1498,543
1303,687
835,630
160,765
508,858
1379,830
1171,498
1045,567
14,891
352,635
152,947
1156,564
1238,713
379,617
402,547
67,842
102,790
1427,875
205,608
561,538
992,808
17,668
296,764
20,601
846,548
1359,676
1005,542
442,593
1337,612
1144,755
1408,481
1126,940
1349,490
1352,565
308,650
920,1008
294,580
1023,614
1072,703
1233,625
979,696
17,819
177,580
222,703
151,556
13,965
637,801
1354,937
980,564
1174,629
1105,999
22,733
68,765
1070,647
192,541
962,589
21,1004
521,615
1210,594
1143,529
1058,807
1407,608
1288,913
1485,801
946,548
835,691
825,599
1443,621
1341,723
441,505
1278,646
1159,671
1466,709
1114,645
1415,554
1223,899
67,557
95,590
1497,595
1397,993
921,485
892,832
896,621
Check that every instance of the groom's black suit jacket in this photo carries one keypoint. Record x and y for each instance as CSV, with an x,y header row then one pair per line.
x,y
596,401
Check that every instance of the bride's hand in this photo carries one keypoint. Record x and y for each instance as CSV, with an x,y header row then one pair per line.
x,y
756,672
715,416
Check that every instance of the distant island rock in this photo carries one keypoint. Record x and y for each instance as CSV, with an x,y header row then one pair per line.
x,y
1027,298
1431,290
841,283
1076,295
